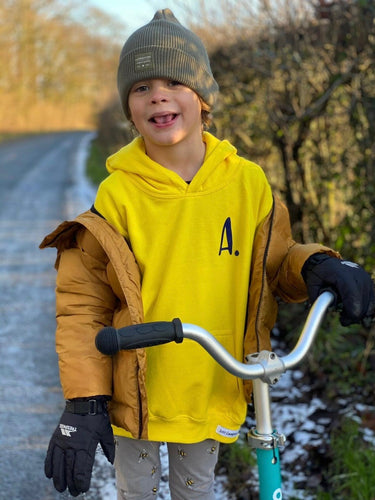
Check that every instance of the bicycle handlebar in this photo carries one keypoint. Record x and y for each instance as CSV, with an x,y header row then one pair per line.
x,y
109,341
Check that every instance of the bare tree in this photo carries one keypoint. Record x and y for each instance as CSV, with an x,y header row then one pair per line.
x,y
60,63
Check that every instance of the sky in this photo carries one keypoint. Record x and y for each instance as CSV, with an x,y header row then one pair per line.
x,y
136,13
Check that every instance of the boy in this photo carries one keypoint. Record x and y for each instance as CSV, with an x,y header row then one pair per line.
x,y
182,227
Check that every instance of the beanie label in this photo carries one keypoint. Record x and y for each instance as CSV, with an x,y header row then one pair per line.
x,y
143,61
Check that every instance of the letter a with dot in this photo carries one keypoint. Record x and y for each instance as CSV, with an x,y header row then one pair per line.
x,y
226,241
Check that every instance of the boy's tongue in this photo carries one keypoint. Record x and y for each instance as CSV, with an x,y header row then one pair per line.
x,y
163,119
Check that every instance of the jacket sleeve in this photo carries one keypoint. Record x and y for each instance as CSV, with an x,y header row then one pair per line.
x,y
85,303
288,283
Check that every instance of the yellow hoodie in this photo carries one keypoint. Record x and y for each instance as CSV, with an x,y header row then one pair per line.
x,y
193,244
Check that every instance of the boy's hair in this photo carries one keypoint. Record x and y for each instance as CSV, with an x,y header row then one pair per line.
x,y
164,48
206,115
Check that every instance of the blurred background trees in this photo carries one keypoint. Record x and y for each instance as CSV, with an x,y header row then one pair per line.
x,y
58,62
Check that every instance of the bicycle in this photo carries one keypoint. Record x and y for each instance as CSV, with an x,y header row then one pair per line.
x,y
264,368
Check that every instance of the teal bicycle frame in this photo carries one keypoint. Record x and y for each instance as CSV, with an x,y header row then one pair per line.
x,y
264,368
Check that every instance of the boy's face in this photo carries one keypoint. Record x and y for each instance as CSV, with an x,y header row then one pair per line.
x,y
165,112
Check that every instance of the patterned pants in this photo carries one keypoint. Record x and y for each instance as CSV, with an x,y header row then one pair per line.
x,y
191,469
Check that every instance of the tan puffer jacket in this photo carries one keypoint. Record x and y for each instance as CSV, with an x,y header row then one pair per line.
x,y
98,284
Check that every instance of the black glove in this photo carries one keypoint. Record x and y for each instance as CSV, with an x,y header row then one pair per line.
x,y
349,281
71,452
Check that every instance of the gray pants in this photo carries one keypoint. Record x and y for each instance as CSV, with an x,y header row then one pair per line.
x,y
191,469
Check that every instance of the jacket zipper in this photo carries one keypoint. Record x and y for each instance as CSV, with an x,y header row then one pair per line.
x,y
264,273
140,413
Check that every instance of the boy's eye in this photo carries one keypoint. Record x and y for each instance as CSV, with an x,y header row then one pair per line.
x,y
174,83
140,88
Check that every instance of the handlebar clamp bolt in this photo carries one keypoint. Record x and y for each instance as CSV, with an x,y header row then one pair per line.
x,y
273,366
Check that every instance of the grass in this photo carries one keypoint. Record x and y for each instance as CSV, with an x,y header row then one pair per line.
x,y
95,167
7,136
351,474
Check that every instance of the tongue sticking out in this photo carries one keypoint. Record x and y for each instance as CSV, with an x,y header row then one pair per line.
x,y
163,119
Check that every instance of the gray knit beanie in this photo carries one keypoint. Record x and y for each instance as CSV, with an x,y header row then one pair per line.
x,y
164,48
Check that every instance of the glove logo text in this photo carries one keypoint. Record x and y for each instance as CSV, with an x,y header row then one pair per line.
x,y
67,429
349,264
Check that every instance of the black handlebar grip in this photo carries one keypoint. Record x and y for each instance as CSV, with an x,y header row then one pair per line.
x,y
109,340
106,341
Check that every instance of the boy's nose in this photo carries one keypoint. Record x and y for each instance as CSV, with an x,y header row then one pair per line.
x,y
159,93
158,98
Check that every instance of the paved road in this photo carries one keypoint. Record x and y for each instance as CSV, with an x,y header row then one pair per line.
x,y
37,178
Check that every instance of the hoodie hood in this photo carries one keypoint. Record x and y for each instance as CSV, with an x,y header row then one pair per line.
x,y
219,164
